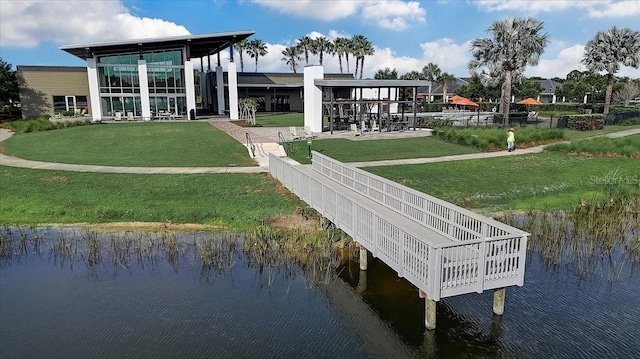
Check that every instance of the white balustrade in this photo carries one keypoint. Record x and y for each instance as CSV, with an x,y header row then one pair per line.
x,y
442,249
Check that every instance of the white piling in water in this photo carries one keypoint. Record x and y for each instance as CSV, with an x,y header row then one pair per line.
x,y
498,301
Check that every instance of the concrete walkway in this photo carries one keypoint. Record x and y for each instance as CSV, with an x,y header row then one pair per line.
x,y
267,135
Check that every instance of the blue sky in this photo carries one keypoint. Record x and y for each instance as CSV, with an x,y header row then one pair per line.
x,y
406,34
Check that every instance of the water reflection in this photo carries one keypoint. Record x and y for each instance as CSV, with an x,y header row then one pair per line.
x,y
127,294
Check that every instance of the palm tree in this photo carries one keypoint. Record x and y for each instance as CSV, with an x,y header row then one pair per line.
x,y
292,57
516,43
241,46
306,45
446,79
367,50
361,47
341,47
431,72
255,49
607,50
322,46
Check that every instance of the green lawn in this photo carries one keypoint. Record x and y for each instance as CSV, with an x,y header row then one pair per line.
x,y
137,144
233,201
284,120
374,150
516,182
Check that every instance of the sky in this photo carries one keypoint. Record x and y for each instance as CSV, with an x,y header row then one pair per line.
x,y
406,35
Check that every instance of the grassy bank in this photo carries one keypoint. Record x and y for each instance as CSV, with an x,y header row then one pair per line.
x,y
540,181
628,146
232,201
375,150
495,139
136,144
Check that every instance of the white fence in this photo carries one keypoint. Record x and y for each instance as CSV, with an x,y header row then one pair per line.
x,y
442,249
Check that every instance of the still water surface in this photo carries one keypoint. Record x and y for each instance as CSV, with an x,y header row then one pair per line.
x,y
160,308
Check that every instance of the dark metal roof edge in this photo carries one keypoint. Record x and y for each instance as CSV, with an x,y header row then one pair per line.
x,y
372,83
246,33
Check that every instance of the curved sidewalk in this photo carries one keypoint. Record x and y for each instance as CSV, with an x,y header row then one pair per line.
x,y
18,162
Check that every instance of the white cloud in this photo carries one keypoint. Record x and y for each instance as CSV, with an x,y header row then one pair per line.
x,y
595,8
450,57
313,8
395,15
535,5
566,61
617,9
30,23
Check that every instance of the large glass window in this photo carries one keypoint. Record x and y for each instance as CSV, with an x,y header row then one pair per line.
x,y
69,103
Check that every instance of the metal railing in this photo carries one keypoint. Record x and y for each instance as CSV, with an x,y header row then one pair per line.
x,y
439,257
250,145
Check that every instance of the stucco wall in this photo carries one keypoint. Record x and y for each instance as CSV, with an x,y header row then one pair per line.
x,y
38,85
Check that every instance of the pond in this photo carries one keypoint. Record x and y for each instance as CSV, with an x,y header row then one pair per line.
x,y
138,296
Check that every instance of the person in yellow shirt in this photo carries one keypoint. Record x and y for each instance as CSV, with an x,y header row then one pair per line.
x,y
511,140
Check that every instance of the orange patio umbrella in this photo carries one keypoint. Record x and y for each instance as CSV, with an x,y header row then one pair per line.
x,y
529,101
463,101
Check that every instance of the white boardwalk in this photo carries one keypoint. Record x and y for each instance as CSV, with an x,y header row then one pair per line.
x,y
442,249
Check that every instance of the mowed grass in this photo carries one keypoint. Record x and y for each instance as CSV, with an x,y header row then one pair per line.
x,y
539,181
283,120
138,144
345,150
230,201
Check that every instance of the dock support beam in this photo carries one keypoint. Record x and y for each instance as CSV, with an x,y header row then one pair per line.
x,y
429,311
430,314
363,258
498,301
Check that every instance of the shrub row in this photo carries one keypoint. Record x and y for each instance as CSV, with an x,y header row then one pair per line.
x,y
489,139
40,124
582,122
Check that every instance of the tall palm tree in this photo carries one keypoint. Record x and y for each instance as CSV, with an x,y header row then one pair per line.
x,y
292,57
431,72
340,48
255,49
322,46
306,45
516,43
446,79
367,50
361,47
241,46
607,50
357,48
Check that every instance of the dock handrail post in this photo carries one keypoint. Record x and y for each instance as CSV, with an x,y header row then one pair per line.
x,y
498,301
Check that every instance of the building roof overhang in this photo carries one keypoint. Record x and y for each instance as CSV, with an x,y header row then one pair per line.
x,y
199,45
371,83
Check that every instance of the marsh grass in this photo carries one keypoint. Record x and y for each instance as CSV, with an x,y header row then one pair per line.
x,y
628,146
270,251
599,235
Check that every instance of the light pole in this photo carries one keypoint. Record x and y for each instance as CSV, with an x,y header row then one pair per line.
x,y
309,146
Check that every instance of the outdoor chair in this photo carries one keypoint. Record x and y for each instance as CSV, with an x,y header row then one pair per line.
x,y
374,126
363,126
130,116
294,133
307,132
354,130
118,116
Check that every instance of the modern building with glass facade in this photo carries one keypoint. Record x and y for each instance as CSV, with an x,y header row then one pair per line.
x,y
154,78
